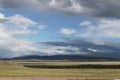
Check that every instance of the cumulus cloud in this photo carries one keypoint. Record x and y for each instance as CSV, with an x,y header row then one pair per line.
x,y
21,21
12,33
85,23
65,6
67,31
101,29
86,47
94,8
2,16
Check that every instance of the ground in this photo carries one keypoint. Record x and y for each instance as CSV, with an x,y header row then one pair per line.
x,y
16,69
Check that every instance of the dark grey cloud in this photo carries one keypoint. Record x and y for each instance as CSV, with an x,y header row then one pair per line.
x,y
93,8
102,8
3,20
89,47
26,4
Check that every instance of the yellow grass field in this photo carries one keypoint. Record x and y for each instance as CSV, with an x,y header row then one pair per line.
x,y
16,69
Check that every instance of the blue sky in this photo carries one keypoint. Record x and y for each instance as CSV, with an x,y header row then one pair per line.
x,y
54,21
48,27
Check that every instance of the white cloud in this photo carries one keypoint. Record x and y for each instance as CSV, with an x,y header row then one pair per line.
x,y
53,50
42,26
21,21
67,31
85,23
19,25
12,35
94,50
101,29
2,16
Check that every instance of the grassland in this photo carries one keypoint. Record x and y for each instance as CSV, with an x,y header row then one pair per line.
x,y
17,69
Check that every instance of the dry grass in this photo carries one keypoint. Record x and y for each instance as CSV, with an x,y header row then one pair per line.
x,y
70,63
59,78
9,70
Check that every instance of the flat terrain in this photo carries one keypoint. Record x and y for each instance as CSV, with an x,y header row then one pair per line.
x,y
59,78
17,69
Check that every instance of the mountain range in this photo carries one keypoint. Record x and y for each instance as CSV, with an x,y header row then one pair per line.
x,y
63,57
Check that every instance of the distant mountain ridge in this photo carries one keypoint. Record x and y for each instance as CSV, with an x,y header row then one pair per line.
x,y
64,57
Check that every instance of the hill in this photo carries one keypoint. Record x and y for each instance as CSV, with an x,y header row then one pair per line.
x,y
64,57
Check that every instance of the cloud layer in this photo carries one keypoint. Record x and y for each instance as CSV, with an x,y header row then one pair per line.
x,y
94,8
86,47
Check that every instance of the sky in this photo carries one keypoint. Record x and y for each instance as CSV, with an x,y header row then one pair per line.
x,y
51,27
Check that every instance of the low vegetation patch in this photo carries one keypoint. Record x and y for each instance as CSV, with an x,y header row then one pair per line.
x,y
74,66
